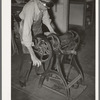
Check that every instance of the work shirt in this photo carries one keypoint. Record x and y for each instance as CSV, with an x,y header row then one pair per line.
x,y
30,15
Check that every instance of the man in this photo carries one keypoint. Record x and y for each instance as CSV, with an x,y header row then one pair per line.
x,y
34,13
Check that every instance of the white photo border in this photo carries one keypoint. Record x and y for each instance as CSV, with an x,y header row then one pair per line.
x,y
6,49
97,50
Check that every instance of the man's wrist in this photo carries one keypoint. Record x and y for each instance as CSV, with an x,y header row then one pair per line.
x,y
31,51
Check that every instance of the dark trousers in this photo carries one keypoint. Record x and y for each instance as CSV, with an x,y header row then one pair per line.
x,y
26,67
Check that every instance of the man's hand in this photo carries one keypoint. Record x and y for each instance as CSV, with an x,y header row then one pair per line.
x,y
36,61
48,33
72,52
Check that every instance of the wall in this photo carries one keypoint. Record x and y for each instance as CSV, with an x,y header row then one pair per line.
x,y
60,12
76,14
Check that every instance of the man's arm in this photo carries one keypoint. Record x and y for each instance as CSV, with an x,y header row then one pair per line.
x,y
47,21
26,34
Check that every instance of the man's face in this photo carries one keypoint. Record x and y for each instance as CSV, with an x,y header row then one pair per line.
x,y
42,6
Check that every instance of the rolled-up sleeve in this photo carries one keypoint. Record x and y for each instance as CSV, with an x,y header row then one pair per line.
x,y
27,15
47,22
46,18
